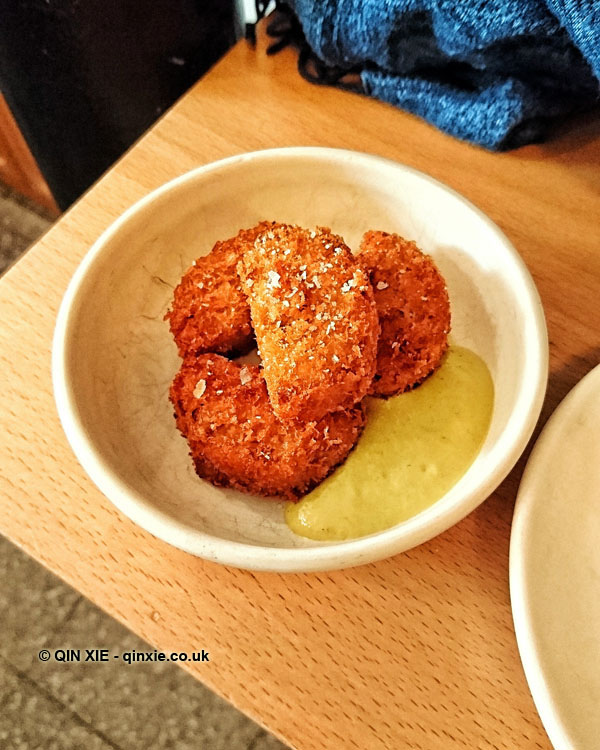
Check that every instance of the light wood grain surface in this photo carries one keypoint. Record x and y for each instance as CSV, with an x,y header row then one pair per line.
x,y
414,652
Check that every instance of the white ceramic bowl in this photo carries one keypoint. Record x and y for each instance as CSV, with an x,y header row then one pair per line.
x,y
555,570
113,356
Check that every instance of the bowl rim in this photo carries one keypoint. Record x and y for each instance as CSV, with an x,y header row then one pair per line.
x,y
530,503
329,555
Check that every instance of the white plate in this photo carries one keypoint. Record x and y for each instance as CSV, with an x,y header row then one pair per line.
x,y
555,570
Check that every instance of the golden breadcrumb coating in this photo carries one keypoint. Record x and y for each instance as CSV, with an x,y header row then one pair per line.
x,y
414,311
223,410
314,317
209,313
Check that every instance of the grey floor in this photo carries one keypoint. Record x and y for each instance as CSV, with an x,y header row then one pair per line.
x,y
61,706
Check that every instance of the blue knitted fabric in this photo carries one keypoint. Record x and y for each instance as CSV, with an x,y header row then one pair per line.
x,y
489,71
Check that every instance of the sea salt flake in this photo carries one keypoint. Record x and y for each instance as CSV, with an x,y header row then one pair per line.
x,y
335,358
382,285
245,376
316,282
199,389
273,281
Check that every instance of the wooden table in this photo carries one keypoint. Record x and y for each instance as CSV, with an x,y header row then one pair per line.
x,y
414,652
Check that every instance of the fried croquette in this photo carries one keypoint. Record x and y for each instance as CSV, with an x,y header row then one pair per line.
x,y
314,316
413,307
209,312
223,410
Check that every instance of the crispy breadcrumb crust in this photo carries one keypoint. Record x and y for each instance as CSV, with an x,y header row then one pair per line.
x,y
314,316
413,307
209,312
222,408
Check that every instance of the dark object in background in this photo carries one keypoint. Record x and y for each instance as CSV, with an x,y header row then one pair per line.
x,y
84,78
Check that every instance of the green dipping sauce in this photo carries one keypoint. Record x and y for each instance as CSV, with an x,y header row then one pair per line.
x,y
414,448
